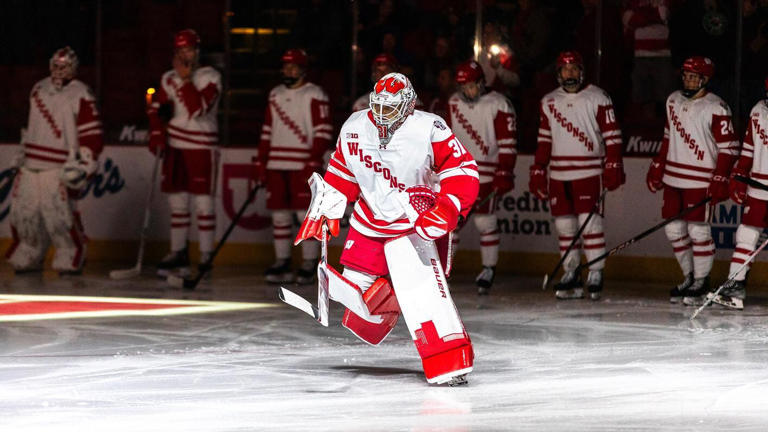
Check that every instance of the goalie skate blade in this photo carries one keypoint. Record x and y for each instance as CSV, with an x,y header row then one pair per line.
x,y
125,274
295,300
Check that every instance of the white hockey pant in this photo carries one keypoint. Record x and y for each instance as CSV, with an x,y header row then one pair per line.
x,y
746,240
180,220
429,312
488,228
42,213
282,233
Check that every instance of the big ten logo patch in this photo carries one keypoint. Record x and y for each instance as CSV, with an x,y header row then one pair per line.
x,y
237,180
725,218
523,214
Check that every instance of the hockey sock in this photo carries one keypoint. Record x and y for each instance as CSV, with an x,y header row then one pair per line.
x,y
566,227
593,239
746,239
282,222
179,203
206,222
703,249
677,233
489,239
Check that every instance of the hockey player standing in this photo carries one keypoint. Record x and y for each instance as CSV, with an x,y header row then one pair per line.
x,y
579,135
386,157
59,152
183,116
694,163
485,123
295,135
753,163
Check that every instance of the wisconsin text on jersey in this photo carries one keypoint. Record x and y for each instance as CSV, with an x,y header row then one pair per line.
x,y
367,160
570,127
675,119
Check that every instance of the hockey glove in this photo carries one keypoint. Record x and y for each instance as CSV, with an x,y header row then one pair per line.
x,y
503,182
260,172
438,220
327,207
718,188
737,189
537,184
613,175
655,175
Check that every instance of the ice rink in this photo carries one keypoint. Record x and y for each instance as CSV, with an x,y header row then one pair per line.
x,y
629,362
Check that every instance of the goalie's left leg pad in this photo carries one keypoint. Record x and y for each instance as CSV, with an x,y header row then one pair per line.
x,y
428,309
380,300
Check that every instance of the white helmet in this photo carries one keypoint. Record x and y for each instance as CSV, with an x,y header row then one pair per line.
x,y
63,66
392,100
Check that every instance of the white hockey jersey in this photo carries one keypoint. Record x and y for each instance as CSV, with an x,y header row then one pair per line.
x,y
423,151
297,127
574,131
697,132
195,104
488,129
60,123
756,148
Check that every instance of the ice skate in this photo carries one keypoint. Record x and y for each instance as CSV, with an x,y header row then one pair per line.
x,y
458,381
731,296
696,294
595,284
279,272
484,280
569,287
307,273
174,262
205,266
676,293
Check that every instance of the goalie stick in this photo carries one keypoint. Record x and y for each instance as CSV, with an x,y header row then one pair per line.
x,y
136,270
643,234
204,268
732,276
575,240
319,312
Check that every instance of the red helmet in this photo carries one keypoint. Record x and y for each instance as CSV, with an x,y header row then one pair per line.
x,y
469,71
186,38
385,58
569,57
296,56
700,65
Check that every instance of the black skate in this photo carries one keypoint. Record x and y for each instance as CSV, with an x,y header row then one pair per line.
x,y
307,273
484,280
732,295
204,266
279,272
696,294
457,381
569,287
175,261
595,284
676,293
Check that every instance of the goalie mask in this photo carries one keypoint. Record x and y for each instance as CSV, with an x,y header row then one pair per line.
x,y
63,66
392,100
696,73
570,71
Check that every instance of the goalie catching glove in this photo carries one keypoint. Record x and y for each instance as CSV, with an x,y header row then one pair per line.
x,y
438,214
327,207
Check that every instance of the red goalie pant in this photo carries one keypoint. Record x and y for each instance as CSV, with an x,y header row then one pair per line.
x,y
422,293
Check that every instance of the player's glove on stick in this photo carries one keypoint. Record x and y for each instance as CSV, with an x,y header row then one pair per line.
x,y
537,184
613,175
718,188
737,189
503,182
655,175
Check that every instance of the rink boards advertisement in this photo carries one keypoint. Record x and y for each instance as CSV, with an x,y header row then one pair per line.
x,y
113,203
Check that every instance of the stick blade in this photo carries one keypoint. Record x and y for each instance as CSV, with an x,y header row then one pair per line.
x,y
544,283
125,274
297,301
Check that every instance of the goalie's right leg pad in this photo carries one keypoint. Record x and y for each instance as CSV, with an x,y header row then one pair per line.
x,y
381,300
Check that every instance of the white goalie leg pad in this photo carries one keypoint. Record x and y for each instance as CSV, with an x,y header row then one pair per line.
x,y
282,222
429,312
566,227
677,234
593,239
206,221
30,237
746,239
62,224
179,204
703,248
487,225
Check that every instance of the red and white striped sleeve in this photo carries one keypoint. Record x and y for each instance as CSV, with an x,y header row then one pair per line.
x,y
89,128
200,102
747,149
505,126
725,138
455,168
322,129
544,141
610,131
340,177
265,139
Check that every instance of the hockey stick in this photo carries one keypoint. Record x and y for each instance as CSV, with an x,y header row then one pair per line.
x,y
575,240
644,234
204,268
731,277
751,182
136,270
319,312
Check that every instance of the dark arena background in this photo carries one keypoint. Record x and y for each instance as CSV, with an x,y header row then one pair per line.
x,y
108,344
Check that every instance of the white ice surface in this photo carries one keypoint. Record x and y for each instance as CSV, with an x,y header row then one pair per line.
x,y
627,363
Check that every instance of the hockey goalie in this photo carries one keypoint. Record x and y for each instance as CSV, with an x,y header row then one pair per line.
x,y
410,180
59,152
